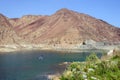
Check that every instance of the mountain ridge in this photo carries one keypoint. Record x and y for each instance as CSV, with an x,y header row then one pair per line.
x,y
7,34
65,27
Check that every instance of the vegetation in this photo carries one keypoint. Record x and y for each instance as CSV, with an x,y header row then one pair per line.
x,y
94,69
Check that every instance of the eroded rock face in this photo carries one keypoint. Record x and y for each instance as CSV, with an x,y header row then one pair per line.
x,y
64,28
7,34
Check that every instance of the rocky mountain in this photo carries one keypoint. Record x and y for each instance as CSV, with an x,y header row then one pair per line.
x,y
26,26
7,34
65,27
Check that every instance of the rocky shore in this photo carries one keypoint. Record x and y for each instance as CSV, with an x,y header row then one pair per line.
x,y
60,69
70,48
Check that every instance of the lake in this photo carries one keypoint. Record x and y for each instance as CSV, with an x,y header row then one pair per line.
x,y
35,65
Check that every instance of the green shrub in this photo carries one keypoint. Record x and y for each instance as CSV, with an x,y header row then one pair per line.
x,y
93,69
92,58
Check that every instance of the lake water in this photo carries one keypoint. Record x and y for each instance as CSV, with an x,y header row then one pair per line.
x,y
34,65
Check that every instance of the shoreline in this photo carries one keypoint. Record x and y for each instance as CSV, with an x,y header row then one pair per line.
x,y
7,50
71,48
62,67
15,48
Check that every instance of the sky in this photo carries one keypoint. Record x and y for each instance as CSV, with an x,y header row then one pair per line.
x,y
107,10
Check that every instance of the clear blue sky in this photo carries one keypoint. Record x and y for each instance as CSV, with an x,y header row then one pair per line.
x,y
108,10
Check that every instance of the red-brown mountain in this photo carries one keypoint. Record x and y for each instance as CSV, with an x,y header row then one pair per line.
x,y
7,34
64,27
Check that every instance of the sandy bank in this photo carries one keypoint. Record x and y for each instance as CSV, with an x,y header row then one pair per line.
x,y
11,48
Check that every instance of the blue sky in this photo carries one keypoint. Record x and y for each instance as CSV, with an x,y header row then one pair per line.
x,y
107,10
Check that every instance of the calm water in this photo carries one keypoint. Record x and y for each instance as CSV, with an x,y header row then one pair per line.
x,y
34,65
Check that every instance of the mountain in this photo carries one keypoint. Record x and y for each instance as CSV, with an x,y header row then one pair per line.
x,y
7,34
64,27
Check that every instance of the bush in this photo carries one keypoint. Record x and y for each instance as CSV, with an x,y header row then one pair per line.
x,y
93,69
92,58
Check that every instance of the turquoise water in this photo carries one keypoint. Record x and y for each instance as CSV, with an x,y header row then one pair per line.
x,y
34,65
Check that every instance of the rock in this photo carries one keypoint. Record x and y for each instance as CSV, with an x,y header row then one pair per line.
x,y
110,53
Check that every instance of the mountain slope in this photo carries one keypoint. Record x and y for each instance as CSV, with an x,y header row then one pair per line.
x,y
7,34
65,27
